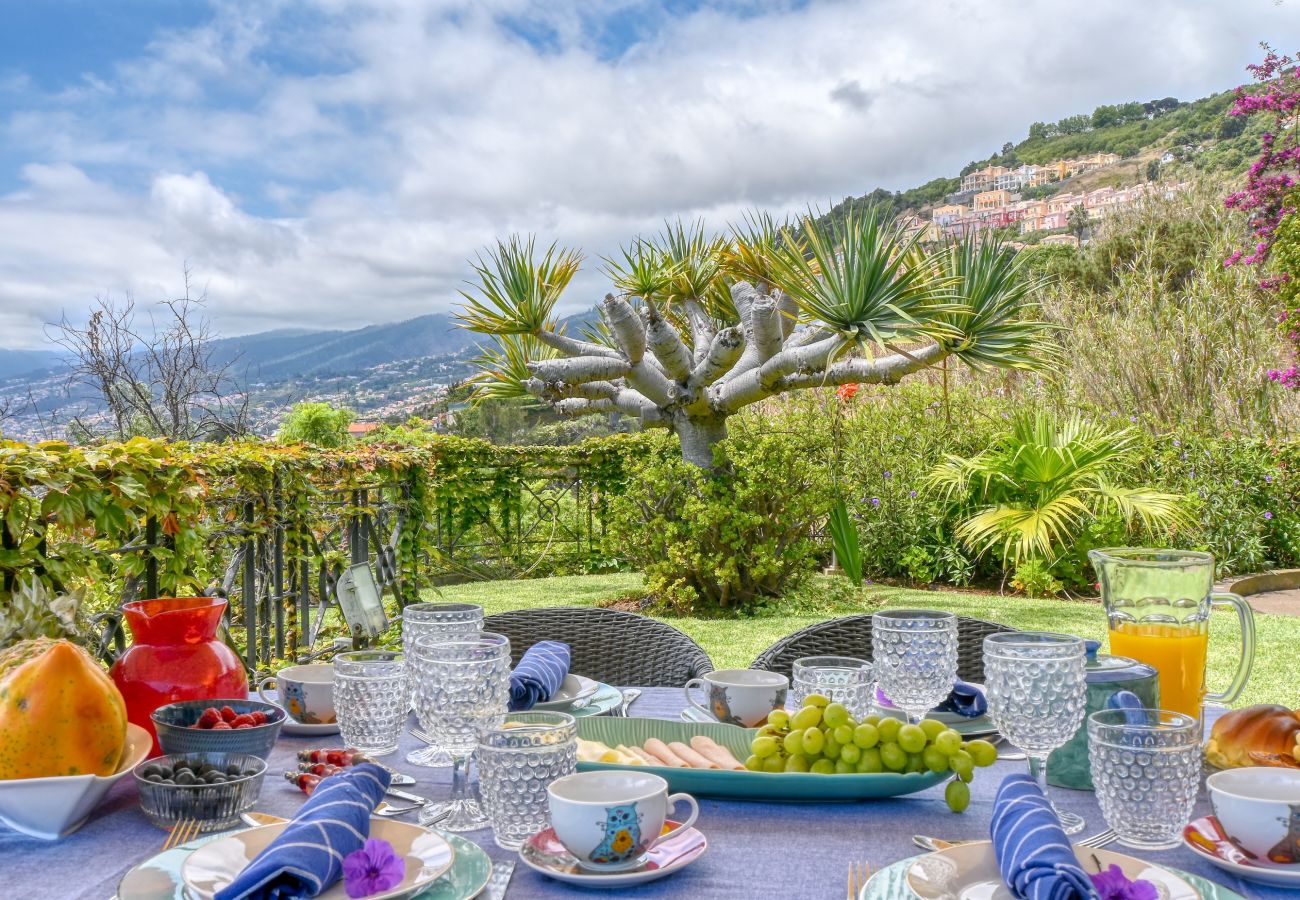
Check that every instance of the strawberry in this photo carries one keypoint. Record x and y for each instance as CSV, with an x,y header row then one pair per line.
x,y
259,717
243,721
211,716
220,726
227,714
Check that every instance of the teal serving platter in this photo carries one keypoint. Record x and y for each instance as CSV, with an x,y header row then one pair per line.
x,y
890,883
768,786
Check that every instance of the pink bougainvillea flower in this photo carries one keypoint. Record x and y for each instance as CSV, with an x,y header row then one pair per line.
x,y
374,868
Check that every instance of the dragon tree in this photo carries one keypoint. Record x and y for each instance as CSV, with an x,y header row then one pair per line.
x,y
698,327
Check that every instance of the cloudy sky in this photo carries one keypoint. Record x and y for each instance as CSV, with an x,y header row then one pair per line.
x,y
335,162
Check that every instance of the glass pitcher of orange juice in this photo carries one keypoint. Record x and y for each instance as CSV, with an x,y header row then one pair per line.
x,y
1158,606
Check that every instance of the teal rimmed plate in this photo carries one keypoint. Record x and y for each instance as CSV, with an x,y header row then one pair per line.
x,y
890,883
604,701
159,878
792,786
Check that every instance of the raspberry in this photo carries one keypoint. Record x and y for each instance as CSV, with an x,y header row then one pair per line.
x,y
227,714
221,725
243,721
209,718
259,717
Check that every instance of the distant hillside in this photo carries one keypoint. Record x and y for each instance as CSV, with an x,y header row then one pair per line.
x,y
287,353
1201,135
22,362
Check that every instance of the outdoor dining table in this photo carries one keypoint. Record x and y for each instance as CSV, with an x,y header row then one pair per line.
x,y
793,850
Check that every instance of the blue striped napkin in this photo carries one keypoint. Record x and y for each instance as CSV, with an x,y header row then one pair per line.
x,y
1034,855
307,857
540,673
965,700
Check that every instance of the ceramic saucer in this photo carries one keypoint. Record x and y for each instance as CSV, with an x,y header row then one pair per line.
x,y
214,866
301,728
604,701
544,853
970,872
1205,837
159,878
574,690
890,883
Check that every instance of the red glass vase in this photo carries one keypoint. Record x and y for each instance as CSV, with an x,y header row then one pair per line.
x,y
175,655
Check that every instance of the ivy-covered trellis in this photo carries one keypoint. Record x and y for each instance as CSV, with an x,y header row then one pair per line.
x,y
273,527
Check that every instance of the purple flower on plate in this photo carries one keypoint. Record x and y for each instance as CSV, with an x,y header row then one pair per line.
x,y
374,868
1113,884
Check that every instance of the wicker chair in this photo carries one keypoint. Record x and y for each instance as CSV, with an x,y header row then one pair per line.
x,y
618,648
851,636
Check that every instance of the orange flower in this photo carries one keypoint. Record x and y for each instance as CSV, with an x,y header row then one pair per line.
x,y
846,391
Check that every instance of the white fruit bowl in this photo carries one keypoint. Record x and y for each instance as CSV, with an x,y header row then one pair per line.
x,y
51,808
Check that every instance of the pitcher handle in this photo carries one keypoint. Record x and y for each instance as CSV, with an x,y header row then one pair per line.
x,y
1247,618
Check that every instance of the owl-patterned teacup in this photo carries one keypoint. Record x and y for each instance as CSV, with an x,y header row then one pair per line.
x,y
608,820
1259,809
306,693
741,697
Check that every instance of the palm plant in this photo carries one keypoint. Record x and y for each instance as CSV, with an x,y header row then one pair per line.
x,y
1030,495
701,326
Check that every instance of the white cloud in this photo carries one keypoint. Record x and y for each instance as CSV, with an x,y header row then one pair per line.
x,y
339,167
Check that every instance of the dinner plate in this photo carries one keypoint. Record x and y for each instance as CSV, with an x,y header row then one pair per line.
x,y
1205,838
890,883
544,853
970,872
746,785
606,699
291,727
159,878
575,689
427,856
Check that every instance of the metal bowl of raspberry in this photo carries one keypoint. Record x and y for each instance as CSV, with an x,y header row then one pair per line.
x,y
218,726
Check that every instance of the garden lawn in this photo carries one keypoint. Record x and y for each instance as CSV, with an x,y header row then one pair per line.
x,y
733,643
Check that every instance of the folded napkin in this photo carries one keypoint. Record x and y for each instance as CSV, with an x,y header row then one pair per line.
x,y
1033,853
308,855
540,673
964,700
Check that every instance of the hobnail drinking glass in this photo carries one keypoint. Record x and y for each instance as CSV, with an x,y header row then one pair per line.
x,y
444,620
914,652
844,679
519,755
1036,684
1146,767
371,699
460,683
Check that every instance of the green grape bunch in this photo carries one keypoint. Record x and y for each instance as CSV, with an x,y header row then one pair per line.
x,y
824,738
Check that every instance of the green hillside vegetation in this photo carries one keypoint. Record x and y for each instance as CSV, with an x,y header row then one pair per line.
x,y
1202,136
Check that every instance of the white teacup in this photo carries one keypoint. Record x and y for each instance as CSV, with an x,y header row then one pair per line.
x,y
608,820
741,697
1259,809
306,693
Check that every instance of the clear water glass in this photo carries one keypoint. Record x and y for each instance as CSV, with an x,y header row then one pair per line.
x,y
844,679
460,683
518,756
444,620
371,699
1146,768
1036,684
914,652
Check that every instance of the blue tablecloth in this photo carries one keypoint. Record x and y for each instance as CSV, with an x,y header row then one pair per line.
x,y
755,849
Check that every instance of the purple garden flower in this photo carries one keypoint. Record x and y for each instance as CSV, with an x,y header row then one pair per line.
x,y
1113,884
1268,515
1268,478
374,868
912,494
888,474
875,501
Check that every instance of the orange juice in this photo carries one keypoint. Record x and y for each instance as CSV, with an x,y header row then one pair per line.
x,y
1176,651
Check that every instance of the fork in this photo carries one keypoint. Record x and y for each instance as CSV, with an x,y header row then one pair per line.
x,y
1094,842
499,882
859,875
183,831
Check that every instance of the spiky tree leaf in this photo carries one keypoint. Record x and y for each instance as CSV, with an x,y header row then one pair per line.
x,y
515,291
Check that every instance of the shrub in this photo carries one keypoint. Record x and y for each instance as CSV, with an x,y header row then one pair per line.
x,y
726,541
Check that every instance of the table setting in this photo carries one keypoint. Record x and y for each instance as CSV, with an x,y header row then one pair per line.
x,y
450,772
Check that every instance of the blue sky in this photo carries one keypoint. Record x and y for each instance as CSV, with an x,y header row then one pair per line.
x,y
336,162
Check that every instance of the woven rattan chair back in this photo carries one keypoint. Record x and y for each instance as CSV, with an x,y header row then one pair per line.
x,y
851,636
615,647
